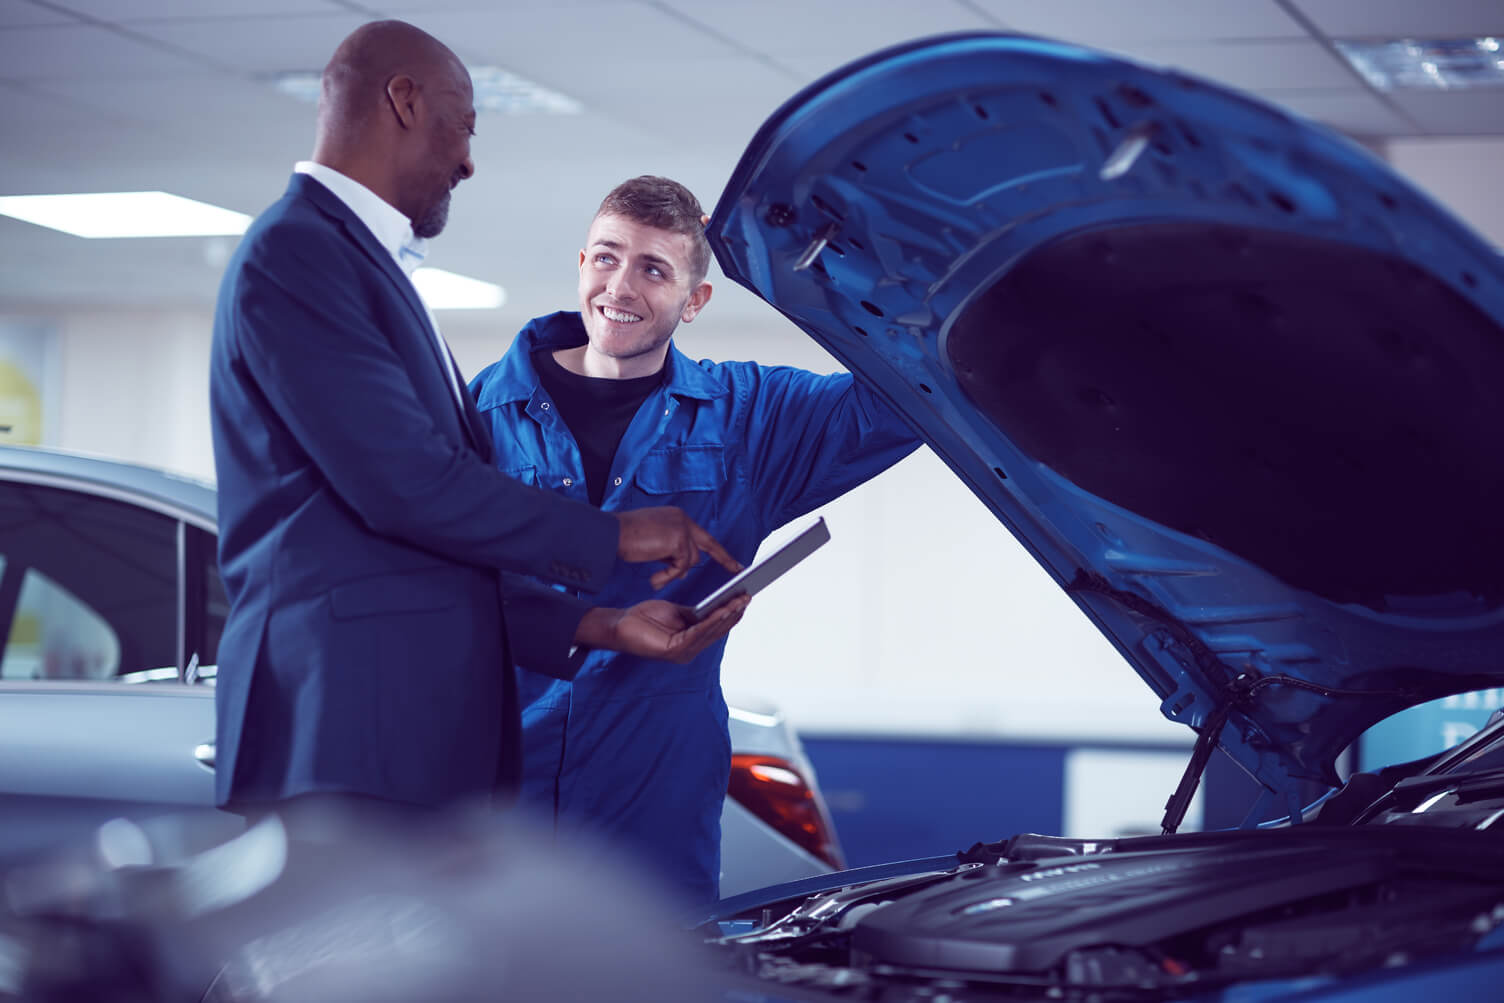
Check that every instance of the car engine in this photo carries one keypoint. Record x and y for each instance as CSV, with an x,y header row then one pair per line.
x,y
1140,919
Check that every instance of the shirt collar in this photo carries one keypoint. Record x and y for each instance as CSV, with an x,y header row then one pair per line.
x,y
514,378
392,229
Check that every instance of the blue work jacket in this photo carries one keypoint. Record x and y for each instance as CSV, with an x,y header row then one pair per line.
x,y
637,749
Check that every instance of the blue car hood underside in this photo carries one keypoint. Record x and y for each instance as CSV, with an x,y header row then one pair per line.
x,y
1231,380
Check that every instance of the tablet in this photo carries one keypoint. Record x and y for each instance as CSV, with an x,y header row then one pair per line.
x,y
759,576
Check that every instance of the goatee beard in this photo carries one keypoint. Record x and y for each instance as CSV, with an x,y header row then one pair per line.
x,y
432,223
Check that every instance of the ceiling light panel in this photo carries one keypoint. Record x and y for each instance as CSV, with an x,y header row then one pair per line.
x,y
125,214
1428,64
443,290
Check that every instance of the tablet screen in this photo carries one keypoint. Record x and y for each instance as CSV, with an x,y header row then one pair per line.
x,y
758,576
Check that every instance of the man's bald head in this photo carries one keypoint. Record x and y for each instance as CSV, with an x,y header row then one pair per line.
x,y
354,81
396,114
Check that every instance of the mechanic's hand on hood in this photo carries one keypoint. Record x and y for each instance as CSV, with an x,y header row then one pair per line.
x,y
665,533
657,628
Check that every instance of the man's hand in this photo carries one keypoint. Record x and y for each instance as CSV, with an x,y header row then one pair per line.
x,y
657,628
666,534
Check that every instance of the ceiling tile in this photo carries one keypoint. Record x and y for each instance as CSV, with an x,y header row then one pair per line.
x,y
1355,112
56,131
84,51
579,39
170,116
411,10
1262,67
1455,113
636,81
62,268
729,98
1111,23
258,44
1404,18
25,14
835,30
139,10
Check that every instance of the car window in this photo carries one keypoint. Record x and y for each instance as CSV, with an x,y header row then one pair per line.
x,y
89,585
55,636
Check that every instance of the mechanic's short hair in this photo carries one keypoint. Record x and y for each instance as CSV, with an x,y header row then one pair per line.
x,y
663,204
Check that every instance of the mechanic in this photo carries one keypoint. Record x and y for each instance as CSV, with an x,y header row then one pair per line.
x,y
599,406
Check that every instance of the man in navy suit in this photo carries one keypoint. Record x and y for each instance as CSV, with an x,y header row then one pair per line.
x,y
372,553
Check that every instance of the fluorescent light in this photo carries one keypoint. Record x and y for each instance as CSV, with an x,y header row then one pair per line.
x,y
302,85
1427,64
504,91
443,290
125,214
496,90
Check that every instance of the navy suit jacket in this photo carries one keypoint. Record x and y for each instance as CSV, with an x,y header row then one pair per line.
x,y
371,552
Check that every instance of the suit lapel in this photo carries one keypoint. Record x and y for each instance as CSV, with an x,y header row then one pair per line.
x,y
363,237
476,424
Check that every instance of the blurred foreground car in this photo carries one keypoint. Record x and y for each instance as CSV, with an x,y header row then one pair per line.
x,y
1236,386
108,579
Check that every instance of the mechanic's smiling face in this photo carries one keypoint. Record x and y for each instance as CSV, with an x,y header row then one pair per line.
x,y
636,286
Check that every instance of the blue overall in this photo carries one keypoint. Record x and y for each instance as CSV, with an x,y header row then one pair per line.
x,y
634,749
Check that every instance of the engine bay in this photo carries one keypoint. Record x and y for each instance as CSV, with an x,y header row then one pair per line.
x,y
1137,919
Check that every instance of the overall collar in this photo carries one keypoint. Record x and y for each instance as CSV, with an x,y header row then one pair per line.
x,y
516,379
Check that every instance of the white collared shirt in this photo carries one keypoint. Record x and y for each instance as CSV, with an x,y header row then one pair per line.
x,y
394,232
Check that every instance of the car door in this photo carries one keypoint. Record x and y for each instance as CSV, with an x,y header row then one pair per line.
x,y
107,598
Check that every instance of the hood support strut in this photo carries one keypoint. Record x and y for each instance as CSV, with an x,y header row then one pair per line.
x,y
1206,742
1238,688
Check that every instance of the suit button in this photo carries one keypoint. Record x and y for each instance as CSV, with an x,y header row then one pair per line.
x,y
617,482
544,405
568,481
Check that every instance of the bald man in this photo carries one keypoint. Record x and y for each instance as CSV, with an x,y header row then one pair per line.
x,y
372,553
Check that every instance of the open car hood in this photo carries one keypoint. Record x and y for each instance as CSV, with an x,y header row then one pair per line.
x,y
1232,381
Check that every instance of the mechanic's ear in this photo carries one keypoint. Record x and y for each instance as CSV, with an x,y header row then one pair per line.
x,y
697,301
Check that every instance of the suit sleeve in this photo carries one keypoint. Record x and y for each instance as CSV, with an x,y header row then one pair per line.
x,y
550,618
812,438
313,326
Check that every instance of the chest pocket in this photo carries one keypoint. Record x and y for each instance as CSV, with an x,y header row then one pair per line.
x,y
690,476
682,468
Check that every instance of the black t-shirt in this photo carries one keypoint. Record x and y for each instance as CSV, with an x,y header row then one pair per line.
x,y
597,412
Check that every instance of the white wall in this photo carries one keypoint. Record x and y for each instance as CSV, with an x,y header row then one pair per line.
x,y
1462,174
133,386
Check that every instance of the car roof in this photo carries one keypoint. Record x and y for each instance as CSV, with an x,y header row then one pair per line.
x,y
172,494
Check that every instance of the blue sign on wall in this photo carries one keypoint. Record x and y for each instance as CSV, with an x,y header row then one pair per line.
x,y
1427,729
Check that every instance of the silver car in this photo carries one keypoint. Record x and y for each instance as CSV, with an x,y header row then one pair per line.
x,y
111,607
